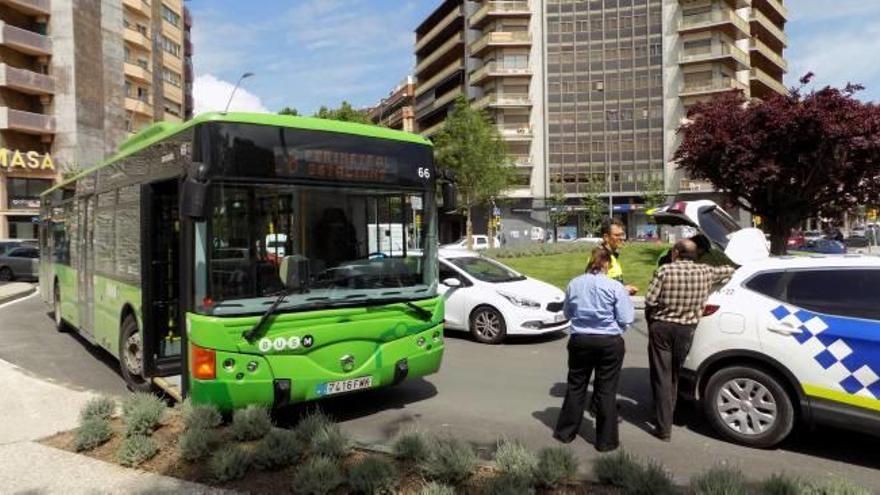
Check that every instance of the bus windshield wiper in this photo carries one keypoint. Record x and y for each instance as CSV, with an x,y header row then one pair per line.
x,y
255,331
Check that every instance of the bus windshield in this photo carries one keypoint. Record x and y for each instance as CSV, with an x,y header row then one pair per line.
x,y
361,245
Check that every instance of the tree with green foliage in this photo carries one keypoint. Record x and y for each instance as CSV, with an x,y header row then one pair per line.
x,y
289,111
592,208
345,113
558,210
470,146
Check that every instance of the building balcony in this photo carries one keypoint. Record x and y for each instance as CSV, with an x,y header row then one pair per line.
x,y
35,8
725,20
763,83
495,69
25,81
443,24
500,38
734,4
758,47
491,10
522,161
768,28
441,51
713,86
429,106
172,92
137,38
26,122
692,185
496,100
138,72
516,132
25,41
141,7
717,52
449,70
433,130
772,8
139,106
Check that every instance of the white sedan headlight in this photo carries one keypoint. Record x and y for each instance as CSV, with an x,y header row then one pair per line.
x,y
522,302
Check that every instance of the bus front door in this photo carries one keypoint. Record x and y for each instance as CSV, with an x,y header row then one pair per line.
x,y
86,265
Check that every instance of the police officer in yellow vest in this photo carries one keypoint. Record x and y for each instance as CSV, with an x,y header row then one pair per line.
x,y
613,236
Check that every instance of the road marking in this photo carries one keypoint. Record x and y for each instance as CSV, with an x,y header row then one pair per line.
x,y
10,303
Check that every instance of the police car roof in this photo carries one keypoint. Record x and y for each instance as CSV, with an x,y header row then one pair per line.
x,y
816,261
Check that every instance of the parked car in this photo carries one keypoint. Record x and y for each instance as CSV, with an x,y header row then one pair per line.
x,y
22,262
787,338
825,246
480,242
812,236
492,301
795,241
7,245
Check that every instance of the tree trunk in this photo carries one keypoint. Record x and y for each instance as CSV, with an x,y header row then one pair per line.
x,y
469,229
490,231
779,231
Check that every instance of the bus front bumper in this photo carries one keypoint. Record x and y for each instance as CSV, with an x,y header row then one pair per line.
x,y
276,381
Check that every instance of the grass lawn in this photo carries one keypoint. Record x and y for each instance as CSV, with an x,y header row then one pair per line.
x,y
639,260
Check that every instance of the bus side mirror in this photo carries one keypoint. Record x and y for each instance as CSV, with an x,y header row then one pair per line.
x,y
194,196
294,272
450,196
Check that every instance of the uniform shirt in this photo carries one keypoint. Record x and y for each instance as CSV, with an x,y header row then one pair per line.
x,y
596,304
678,290
615,271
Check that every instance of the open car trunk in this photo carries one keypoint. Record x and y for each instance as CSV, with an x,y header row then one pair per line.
x,y
741,245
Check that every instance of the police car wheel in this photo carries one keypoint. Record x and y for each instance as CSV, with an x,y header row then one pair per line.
x,y
748,406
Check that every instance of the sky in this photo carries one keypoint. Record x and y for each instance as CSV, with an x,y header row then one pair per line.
x,y
309,53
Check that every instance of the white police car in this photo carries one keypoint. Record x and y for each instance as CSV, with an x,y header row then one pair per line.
x,y
787,339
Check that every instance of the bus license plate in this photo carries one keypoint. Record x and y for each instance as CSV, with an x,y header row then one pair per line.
x,y
351,385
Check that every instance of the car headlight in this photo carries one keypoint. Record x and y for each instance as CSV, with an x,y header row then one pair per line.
x,y
522,302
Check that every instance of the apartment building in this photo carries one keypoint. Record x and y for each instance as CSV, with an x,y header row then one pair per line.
x,y
154,62
397,111
76,79
589,93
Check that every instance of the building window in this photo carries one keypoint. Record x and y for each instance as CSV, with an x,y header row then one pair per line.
x,y
170,16
170,46
171,77
173,108
25,193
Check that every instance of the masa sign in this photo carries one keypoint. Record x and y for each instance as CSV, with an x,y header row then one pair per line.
x,y
30,160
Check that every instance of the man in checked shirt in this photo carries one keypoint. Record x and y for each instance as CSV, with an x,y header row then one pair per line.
x,y
673,306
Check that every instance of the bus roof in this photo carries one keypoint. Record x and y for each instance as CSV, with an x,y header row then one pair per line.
x,y
162,130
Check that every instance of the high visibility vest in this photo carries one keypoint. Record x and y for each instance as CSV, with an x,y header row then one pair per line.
x,y
615,271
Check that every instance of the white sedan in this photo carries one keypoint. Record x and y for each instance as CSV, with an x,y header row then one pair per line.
x,y
493,301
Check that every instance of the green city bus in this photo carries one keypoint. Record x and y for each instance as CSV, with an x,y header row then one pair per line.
x,y
248,258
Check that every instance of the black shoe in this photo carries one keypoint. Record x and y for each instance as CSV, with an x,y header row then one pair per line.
x,y
663,435
607,448
563,440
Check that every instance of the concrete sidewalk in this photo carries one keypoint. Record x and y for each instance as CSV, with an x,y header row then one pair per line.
x,y
10,291
34,409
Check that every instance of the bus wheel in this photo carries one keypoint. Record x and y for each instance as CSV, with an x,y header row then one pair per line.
x,y
487,325
56,310
131,356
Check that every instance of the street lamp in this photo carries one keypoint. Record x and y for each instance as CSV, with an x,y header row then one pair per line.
x,y
231,95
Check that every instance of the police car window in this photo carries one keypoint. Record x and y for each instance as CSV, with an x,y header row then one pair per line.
x,y
851,293
768,284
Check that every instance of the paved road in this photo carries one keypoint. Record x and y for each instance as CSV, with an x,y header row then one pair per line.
x,y
481,394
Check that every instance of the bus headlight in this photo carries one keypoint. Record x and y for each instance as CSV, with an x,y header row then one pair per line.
x,y
420,342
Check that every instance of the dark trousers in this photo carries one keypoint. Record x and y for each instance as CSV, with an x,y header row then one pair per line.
x,y
586,353
668,346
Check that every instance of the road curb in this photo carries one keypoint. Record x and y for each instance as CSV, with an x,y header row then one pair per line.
x,y
8,298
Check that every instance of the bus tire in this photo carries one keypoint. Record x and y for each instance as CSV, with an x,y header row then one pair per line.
x,y
56,309
131,356
488,325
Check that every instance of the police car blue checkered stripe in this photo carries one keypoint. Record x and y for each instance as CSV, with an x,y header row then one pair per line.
x,y
841,340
